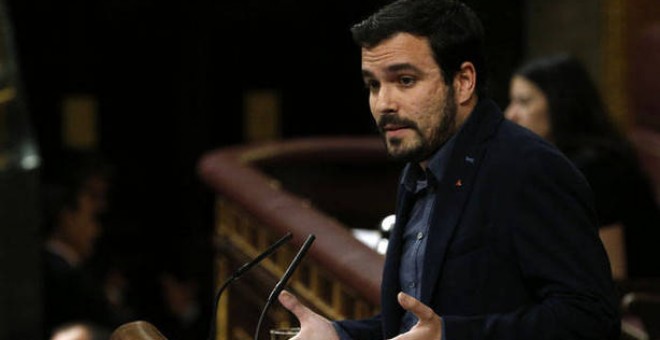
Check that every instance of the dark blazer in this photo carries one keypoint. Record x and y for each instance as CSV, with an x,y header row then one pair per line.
x,y
72,295
513,249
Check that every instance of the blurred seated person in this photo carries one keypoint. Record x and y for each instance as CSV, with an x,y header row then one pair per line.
x,y
71,292
83,170
556,98
91,173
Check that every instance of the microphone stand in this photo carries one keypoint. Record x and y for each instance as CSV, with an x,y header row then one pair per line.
x,y
283,281
240,271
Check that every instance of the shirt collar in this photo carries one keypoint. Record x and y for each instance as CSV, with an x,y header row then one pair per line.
x,y
437,165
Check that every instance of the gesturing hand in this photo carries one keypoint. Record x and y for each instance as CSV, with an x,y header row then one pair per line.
x,y
429,325
312,325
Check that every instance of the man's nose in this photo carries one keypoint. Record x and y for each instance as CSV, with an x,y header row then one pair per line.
x,y
385,101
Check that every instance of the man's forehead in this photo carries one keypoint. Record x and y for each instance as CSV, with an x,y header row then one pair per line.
x,y
399,53
400,42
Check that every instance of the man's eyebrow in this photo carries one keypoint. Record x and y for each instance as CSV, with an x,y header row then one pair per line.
x,y
394,69
367,74
403,67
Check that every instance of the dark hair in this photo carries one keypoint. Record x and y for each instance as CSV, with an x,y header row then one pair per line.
x,y
576,111
55,198
72,167
454,31
63,181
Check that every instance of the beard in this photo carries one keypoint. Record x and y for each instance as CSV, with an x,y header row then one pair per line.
x,y
422,148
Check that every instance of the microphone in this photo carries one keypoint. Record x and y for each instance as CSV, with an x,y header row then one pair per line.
x,y
283,281
240,271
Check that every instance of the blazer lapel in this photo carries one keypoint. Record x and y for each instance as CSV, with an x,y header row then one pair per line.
x,y
391,310
454,189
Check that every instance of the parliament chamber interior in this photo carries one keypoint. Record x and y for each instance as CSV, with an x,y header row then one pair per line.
x,y
220,128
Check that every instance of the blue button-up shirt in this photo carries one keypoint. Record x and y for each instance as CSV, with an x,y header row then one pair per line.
x,y
421,184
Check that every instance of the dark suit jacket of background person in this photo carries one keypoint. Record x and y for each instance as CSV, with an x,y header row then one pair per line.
x,y
513,249
623,194
72,295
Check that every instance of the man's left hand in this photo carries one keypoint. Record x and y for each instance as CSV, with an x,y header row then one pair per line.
x,y
429,325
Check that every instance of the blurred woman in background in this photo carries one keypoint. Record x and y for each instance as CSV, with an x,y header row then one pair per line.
x,y
556,98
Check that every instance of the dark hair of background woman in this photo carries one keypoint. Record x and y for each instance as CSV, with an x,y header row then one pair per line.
x,y
576,111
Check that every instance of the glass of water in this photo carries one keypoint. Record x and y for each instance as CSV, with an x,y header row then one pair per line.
x,y
284,333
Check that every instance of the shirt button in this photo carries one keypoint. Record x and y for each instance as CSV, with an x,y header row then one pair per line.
x,y
412,284
420,235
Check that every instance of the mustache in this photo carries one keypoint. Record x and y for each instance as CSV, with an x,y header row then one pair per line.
x,y
395,120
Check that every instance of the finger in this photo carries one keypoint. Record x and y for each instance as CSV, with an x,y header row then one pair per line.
x,y
421,311
290,302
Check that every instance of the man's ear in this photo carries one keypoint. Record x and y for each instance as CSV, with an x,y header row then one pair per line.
x,y
465,83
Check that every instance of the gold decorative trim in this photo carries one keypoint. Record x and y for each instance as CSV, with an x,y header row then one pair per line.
x,y
7,94
310,283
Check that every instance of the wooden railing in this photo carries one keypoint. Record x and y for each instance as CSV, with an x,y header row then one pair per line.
x,y
340,277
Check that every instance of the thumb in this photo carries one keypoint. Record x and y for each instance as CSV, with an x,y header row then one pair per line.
x,y
420,310
290,302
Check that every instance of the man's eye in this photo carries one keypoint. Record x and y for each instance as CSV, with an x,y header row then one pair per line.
x,y
371,85
406,80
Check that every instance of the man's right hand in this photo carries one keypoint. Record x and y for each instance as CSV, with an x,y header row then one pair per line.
x,y
312,325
